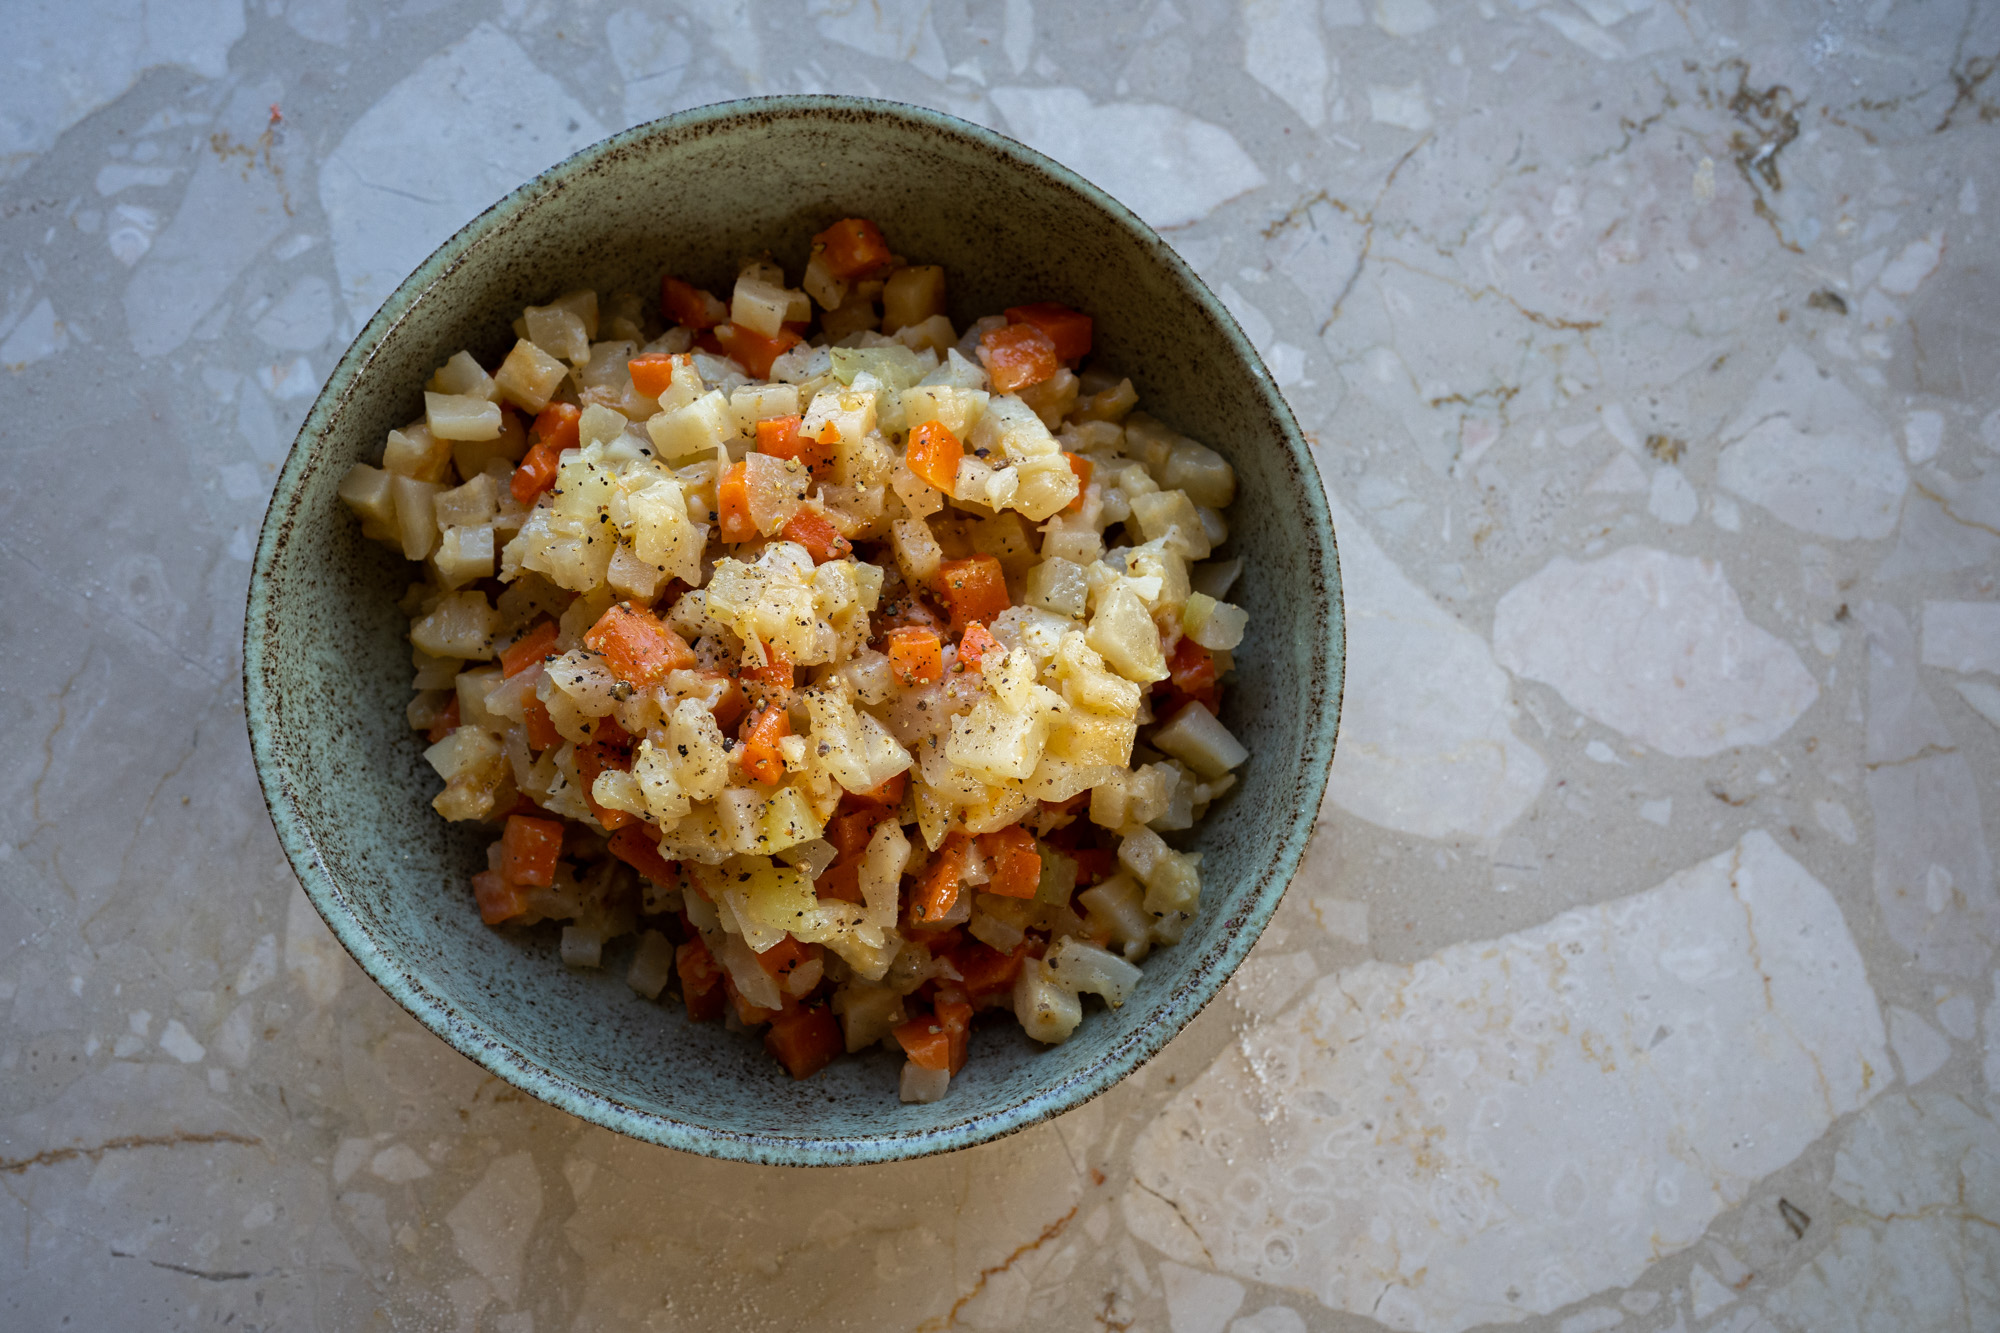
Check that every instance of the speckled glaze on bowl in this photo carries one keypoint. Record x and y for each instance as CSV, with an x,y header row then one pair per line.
x,y
326,666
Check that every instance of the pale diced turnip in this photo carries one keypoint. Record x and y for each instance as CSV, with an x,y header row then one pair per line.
x,y
1222,628
652,965
466,748
370,493
464,554
1046,487
1200,471
918,554
1216,577
776,488
1117,907
868,1012
415,452
529,377
500,453
1048,1011
698,427
922,1085
1123,632
764,306
1170,517
473,503
1173,883
462,375
1057,585
461,417
559,331
912,295
934,335
416,515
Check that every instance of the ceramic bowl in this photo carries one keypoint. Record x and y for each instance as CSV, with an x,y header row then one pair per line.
x,y
326,666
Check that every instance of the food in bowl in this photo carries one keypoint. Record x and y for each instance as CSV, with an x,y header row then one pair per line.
x,y
853,661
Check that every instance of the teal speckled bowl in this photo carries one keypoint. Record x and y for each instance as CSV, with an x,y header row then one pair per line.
x,y
326,667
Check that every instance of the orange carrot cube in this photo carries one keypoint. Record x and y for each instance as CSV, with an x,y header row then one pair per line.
x,y
1068,329
1018,356
853,247
974,588
637,648
916,656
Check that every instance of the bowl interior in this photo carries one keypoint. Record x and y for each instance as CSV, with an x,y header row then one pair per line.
x,y
327,666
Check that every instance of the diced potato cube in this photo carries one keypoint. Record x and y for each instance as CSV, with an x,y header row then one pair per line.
x,y
1170,517
462,625
1124,633
415,452
464,554
461,375
763,306
1047,485
473,503
917,552
996,745
1196,738
559,331
653,769
1201,472
912,295
1083,737
959,409
934,335
599,425
686,431
1057,585
776,489
1072,539
919,1086
701,764
1222,627
461,417
1048,1011
369,492
753,403
416,515
1010,426
1088,684
529,377
633,577
1117,908
867,1013
473,457
1173,884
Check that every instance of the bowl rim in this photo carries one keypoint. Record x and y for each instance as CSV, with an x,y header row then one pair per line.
x,y
294,829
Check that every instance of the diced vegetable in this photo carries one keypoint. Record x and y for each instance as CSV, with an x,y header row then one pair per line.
x,y
752,350
911,296
1017,355
973,589
805,1040
934,454
652,374
757,748
528,850
1017,866
975,644
852,248
780,437
915,656
637,647
1067,330
689,305
732,496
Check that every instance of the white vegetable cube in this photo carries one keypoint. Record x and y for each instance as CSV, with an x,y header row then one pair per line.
x,y
918,554
958,409
786,821
416,515
1048,1011
867,1013
1123,632
1197,739
912,295
763,306
460,625
452,416
1046,486
1009,426
469,505
1058,585
560,331
466,748
1117,907
631,576
698,427
934,335
1214,625
1080,966
653,769
652,965
921,1086
599,425
661,532
529,377
369,493
882,872
919,496
1201,472
1070,538
1088,684
462,375
615,789
753,403
1170,517
1173,884
464,554
701,764
415,452
995,744
1084,737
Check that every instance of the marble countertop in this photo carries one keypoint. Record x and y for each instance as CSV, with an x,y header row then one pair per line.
x,y
1641,972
